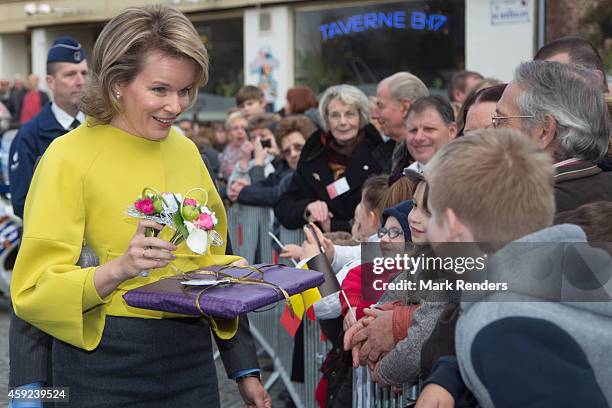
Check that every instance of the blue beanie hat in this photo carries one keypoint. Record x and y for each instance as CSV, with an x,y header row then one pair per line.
x,y
400,212
66,49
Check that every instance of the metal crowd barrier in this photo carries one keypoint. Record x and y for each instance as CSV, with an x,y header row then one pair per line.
x,y
248,228
315,351
367,394
278,344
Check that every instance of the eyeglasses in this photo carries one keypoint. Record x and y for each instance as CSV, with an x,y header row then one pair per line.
x,y
296,147
336,116
237,128
393,232
496,120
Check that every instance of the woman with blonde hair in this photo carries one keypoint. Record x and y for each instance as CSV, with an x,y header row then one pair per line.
x,y
147,66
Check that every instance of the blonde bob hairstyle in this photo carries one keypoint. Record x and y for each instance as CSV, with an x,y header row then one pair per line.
x,y
121,50
231,118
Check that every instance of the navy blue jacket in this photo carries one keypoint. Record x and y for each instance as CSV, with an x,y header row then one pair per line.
x,y
523,362
28,146
265,192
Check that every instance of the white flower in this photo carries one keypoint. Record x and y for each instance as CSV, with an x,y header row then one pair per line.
x,y
197,240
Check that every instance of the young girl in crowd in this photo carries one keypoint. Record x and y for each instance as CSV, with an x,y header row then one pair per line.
x,y
365,225
335,387
403,320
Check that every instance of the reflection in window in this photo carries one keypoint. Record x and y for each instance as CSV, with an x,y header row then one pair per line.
x,y
224,41
363,44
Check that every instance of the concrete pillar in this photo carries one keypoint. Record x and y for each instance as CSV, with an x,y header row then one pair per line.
x,y
40,46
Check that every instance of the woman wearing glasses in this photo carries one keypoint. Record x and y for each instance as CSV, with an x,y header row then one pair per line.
x,y
334,164
291,135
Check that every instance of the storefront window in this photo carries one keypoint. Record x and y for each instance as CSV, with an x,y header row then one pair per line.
x,y
223,38
361,44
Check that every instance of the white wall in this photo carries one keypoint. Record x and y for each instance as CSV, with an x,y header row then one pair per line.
x,y
42,38
278,41
496,50
13,55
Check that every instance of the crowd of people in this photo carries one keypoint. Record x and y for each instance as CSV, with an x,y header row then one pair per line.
x,y
20,101
527,161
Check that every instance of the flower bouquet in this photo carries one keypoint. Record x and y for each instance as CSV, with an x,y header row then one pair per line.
x,y
192,221
195,223
153,206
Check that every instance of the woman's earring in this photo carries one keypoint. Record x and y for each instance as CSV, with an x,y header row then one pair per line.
x,y
118,95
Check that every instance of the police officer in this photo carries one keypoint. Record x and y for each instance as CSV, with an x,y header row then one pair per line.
x,y
66,75
30,349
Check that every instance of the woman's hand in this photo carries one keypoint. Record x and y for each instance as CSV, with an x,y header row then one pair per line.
x,y
259,152
292,251
317,211
236,188
254,394
377,337
274,150
145,253
239,263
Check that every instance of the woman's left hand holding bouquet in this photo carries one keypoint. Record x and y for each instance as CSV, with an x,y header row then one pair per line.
x,y
142,253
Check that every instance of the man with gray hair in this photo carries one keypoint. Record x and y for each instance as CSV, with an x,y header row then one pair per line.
x,y
395,95
563,109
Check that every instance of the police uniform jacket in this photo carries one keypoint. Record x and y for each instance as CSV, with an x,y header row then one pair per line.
x,y
29,145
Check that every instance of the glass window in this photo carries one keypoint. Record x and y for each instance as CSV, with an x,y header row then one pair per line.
x,y
363,43
223,38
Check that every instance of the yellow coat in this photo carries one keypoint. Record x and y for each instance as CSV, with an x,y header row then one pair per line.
x,y
81,189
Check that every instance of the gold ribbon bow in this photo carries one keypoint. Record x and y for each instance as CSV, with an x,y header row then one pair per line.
x,y
231,280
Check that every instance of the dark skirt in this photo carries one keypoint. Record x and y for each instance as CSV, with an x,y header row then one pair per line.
x,y
141,363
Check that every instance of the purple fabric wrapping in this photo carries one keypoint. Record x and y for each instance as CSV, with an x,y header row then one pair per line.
x,y
224,301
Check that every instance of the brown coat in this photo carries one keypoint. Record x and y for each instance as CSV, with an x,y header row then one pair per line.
x,y
581,183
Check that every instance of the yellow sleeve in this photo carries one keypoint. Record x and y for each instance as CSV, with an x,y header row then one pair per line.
x,y
48,290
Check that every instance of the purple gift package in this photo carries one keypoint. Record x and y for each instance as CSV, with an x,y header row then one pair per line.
x,y
217,297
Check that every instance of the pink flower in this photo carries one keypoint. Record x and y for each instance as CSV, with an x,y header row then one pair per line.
x,y
205,222
145,206
190,201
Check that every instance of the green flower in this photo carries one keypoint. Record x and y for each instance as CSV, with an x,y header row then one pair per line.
x,y
190,213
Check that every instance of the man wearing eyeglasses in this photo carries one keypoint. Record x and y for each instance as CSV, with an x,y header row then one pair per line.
x,y
563,109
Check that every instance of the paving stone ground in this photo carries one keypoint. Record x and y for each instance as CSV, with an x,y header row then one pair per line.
x,y
230,397
4,352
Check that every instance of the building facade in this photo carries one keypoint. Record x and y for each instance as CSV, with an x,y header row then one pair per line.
x,y
276,45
